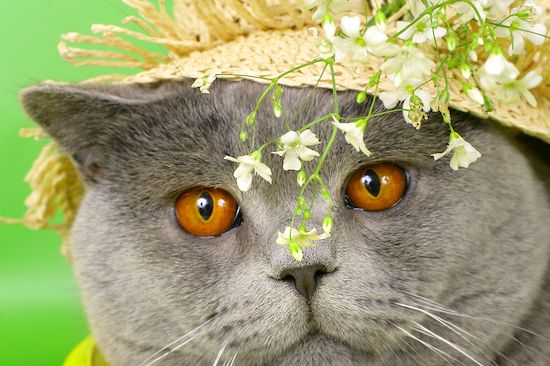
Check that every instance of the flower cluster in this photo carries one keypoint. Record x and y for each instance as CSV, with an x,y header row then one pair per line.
x,y
422,46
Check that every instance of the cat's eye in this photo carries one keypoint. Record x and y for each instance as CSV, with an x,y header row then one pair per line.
x,y
376,187
207,211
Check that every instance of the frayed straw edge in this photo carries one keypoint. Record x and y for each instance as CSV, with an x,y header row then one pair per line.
x,y
56,187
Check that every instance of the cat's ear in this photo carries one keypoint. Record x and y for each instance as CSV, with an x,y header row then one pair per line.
x,y
79,118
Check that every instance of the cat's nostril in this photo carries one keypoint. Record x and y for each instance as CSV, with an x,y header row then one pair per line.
x,y
289,279
319,273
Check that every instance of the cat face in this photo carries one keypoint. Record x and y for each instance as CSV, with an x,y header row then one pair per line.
x,y
471,241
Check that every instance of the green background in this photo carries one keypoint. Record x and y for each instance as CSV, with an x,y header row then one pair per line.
x,y
41,317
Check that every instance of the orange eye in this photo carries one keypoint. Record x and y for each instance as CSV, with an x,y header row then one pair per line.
x,y
207,211
376,187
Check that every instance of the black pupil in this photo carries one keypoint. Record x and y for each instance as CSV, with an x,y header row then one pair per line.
x,y
371,180
205,205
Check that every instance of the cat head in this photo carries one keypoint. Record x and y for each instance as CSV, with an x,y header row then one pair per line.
x,y
470,241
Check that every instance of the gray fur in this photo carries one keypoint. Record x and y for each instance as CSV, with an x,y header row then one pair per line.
x,y
476,241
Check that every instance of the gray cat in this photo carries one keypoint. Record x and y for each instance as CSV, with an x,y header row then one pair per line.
x,y
457,273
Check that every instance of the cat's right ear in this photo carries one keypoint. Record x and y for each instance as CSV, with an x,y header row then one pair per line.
x,y
78,118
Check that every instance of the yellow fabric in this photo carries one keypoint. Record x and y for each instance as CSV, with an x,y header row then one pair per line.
x,y
86,354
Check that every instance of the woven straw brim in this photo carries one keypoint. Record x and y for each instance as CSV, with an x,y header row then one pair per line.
x,y
270,53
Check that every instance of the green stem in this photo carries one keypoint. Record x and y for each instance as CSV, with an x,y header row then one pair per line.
x,y
326,150
244,76
307,99
374,115
374,97
314,122
519,29
273,83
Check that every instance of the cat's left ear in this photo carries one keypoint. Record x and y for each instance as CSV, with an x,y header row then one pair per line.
x,y
81,118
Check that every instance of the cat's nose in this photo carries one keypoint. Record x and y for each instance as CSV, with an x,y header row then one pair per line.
x,y
305,278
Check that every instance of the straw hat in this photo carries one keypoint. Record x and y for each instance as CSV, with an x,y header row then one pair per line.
x,y
266,38
248,39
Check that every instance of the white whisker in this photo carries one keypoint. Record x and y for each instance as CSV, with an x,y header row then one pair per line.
x,y
534,350
234,358
491,321
428,332
444,310
183,339
220,353
457,330
418,355
431,303
444,355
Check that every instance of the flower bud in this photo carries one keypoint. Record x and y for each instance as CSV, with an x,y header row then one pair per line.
x,y
295,250
361,98
256,155
444,96
488,104
329,26
325,194
301,178
380,19
277,102
243,135
466,71
451,42
307,215
474,93
251,119
277,109
327,224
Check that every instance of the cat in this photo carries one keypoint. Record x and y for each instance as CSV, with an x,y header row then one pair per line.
x,y
457,273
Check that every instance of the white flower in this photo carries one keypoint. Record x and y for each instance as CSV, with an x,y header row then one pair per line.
x,y
356,46
249,164
421,31
496,71
353,132
498,75
519,30
408,66
532,10
325,7
301,238
474,94
404,94
391,99
492,9
511,91
463,152
296,148
468,13
204,83
497,8
323,44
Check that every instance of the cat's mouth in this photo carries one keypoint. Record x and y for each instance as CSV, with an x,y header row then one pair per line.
x,y
317,340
